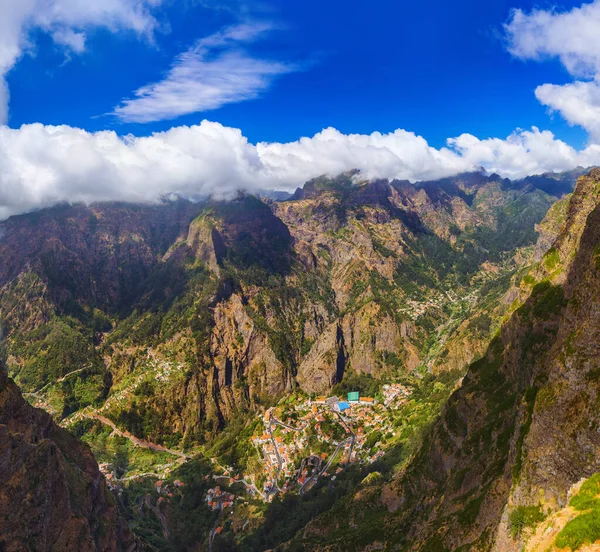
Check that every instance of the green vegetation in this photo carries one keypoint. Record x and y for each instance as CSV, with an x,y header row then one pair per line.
x,y
585,528
190,520
365,384
233,447
51,351
551,259
523,517
546,300
481,324
126,458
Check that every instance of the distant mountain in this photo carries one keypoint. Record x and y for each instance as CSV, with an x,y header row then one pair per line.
x,y
275,195
556,183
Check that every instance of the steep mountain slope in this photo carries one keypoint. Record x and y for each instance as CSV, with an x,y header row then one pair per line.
x,y
52,495
421,253
516,436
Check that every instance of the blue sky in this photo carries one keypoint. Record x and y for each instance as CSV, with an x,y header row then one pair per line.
x,y
433,67
134,99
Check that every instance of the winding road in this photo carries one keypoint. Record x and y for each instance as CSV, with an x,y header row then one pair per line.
x,y
313,478
213,531
159,515
243,481
275,487
59,380
352,439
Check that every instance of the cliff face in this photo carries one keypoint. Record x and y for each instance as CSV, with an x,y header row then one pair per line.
x,y
52,495
97,255
563,443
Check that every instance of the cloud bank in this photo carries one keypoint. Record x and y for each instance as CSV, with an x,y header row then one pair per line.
x,y
44,165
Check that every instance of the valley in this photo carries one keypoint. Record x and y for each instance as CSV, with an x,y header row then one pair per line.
x,y
243,370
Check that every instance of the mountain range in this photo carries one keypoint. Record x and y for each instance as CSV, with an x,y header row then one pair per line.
x,y
160,335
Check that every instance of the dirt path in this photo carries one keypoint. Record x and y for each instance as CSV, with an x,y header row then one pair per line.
x,y
135,440
59,380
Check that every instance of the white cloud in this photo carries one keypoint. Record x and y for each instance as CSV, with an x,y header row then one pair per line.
x,y
572,37
215,72
44,165
72,40
67,22
578,103
400,154
523,153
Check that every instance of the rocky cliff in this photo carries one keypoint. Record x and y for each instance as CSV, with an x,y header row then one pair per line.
x,y
52,495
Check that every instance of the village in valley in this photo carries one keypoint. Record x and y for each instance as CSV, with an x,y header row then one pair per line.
x,y
294,445
299,443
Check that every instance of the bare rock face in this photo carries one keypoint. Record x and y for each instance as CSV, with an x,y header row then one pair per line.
x,y
97,254
369,335
52,495
325,363
241,353
204,241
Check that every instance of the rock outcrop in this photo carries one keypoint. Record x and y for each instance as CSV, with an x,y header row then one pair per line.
x,y
52,495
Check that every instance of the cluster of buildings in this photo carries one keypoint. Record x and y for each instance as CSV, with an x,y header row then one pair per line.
x,y
108,472
277,456
394,391
40,402
163,369
216,499
414,309
339,405
163,488
299,439
307,419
